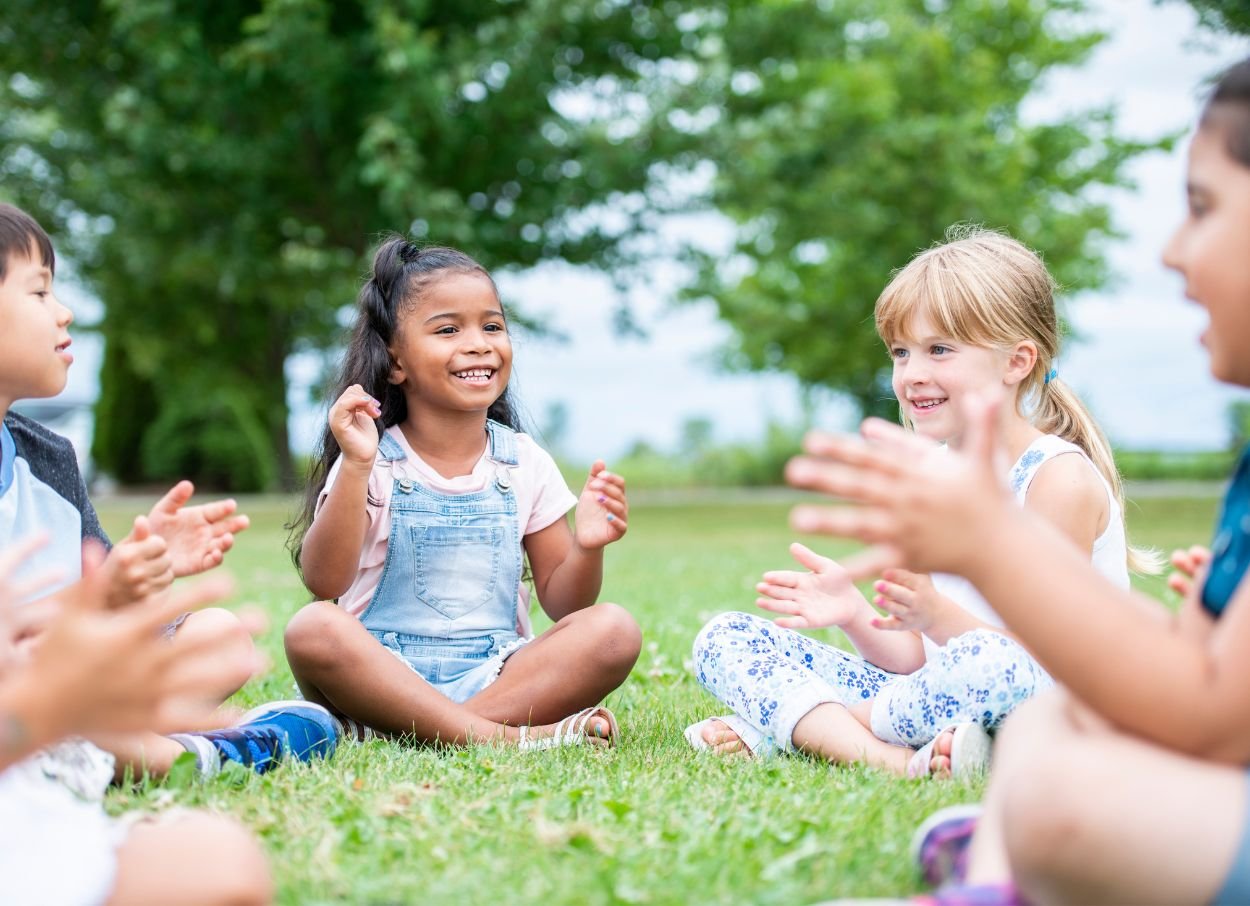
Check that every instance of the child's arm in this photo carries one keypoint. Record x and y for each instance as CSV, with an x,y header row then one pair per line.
x,y
330,555
1136,669
826,596
568,564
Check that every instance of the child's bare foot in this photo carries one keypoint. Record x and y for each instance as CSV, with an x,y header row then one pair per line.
x,y
592,726
959,750
722,739
940,760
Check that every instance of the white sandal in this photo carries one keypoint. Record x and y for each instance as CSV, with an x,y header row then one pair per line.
x,y
752,739
970,752
570,732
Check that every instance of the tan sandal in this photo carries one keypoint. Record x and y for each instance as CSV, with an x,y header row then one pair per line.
x,y
570,732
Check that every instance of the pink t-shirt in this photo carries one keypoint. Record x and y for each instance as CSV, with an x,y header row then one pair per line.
x,y
542,497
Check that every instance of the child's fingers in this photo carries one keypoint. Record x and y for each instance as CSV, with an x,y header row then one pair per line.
x,y
776,592
596,467
783,577
1179,584
891,607
902,577
778,605
142,530
807,557
792,622
900,593
890,624
175,498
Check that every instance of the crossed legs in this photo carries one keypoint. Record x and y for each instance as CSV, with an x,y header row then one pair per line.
x,y
571,666
1079,813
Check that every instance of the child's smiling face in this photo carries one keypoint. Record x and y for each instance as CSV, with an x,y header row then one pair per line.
x,y
1211,250
453,351
34,332
933,374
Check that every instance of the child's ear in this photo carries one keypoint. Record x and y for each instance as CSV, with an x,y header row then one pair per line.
x,y
396,375
1020,362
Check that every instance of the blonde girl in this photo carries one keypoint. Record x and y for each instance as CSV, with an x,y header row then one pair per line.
x,y
971,315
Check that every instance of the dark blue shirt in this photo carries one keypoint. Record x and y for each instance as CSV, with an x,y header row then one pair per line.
x,y
1230,551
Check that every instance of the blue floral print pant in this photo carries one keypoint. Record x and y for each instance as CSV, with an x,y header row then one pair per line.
x,y
772,677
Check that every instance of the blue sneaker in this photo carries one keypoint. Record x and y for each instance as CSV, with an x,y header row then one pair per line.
x,y
269,733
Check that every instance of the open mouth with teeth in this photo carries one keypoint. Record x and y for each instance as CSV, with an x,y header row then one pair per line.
x,y
927,405
475,375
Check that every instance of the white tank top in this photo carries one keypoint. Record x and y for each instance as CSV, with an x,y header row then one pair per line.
x,y
1109,557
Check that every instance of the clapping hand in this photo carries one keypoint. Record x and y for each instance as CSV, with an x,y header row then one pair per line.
x,y
602,510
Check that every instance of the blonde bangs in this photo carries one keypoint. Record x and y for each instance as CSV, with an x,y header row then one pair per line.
x,y
954,297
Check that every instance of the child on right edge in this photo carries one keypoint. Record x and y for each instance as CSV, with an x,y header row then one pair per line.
x,y
971,315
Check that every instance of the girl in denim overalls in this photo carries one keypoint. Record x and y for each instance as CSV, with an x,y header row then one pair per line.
x,y
424,503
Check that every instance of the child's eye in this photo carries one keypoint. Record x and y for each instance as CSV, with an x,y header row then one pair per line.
x,y
898,352
939,349
446,331
493,328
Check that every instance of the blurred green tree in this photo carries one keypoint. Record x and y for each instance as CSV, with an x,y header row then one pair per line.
x,y
218,170
849,135
1223,15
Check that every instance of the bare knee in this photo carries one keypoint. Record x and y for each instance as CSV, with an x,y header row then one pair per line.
x,y
615,636
1047,822
234,666
309,636
193,857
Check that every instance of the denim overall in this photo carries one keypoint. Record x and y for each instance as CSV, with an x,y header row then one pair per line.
x,y
447,601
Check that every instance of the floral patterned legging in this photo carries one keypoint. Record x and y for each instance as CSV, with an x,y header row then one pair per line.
x,y
771,677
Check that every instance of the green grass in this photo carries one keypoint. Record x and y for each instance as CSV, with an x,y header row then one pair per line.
x,y
648,822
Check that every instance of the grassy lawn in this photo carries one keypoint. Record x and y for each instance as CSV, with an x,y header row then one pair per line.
x,y
648,822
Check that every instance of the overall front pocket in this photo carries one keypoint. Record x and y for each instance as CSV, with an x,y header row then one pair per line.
x,y
457,566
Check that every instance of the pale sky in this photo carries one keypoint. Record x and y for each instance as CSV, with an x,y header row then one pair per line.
x,y
1139,365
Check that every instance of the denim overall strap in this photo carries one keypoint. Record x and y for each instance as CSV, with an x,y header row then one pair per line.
x,y
389,449
502,443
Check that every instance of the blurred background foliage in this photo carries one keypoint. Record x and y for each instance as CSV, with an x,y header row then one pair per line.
x,y
219,171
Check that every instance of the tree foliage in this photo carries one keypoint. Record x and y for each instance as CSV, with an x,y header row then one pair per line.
x,y
849,135
1224,15
218,171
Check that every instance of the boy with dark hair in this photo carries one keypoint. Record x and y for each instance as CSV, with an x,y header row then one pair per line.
x,y
42,492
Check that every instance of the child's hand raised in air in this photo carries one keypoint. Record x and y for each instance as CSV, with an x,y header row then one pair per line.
x,y
351,422
812,600
910,599
602,510
137,567
196,537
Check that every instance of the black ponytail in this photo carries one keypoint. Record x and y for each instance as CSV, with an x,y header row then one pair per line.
x,y
401,272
